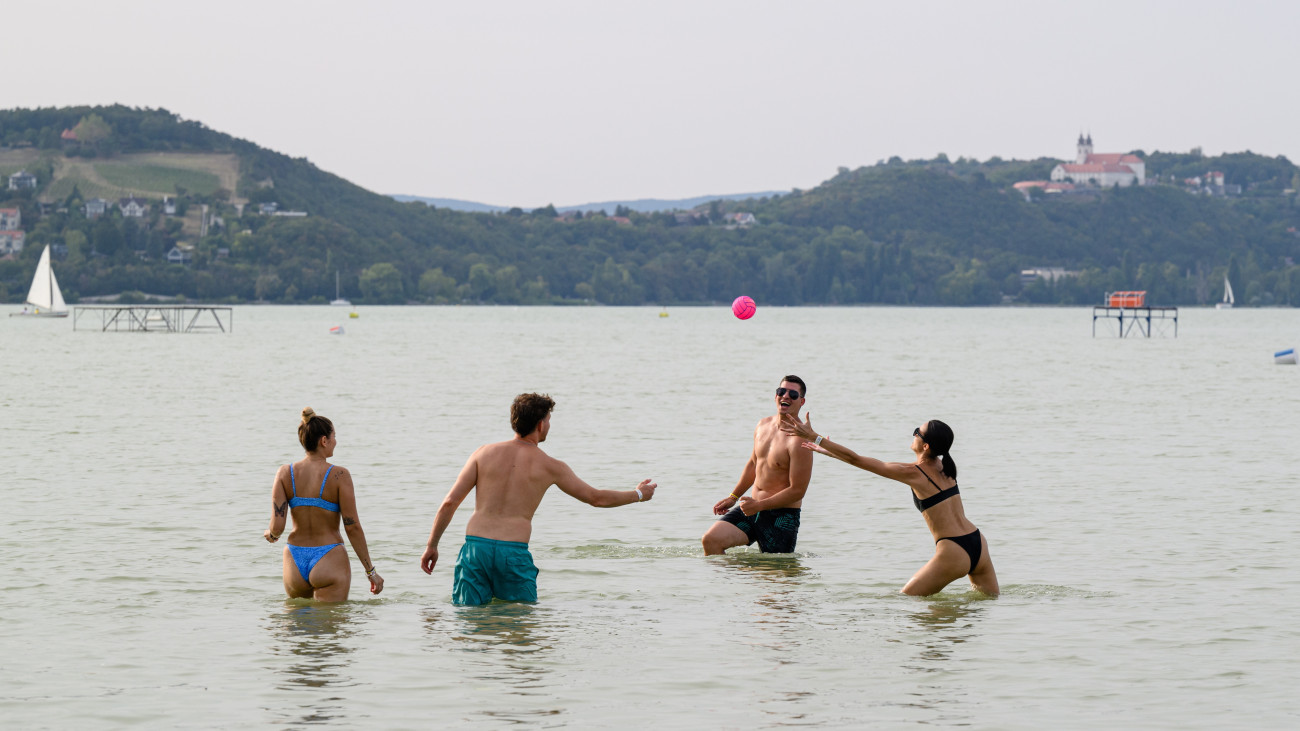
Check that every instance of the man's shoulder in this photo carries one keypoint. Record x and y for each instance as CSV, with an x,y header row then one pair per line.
x,y
510,448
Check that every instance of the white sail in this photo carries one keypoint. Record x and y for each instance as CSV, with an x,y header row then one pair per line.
x,y
338,300
45,293
1227,291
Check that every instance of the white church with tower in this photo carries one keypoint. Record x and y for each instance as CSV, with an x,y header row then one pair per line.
x,y
1104,169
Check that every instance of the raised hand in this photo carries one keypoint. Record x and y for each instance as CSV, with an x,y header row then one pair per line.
x,y
792,426
647,489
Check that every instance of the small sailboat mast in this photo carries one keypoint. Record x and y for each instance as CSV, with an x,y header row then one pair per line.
x,y
338,299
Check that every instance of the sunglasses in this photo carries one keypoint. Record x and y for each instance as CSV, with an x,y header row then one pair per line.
x,y
917,433
794,394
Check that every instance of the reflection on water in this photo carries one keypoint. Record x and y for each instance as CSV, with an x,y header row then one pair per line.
x,y
946,623
506,626
310,642
507,644
779,577
942,624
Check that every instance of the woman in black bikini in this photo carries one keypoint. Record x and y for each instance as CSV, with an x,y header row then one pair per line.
x,y
959,549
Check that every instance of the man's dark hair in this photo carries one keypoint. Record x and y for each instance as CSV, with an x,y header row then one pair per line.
x,y
527,412
803,387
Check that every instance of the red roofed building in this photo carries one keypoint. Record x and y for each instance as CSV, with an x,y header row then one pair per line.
x,y
68,136
1104,169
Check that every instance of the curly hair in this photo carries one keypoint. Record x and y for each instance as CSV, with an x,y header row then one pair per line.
x,y
528,410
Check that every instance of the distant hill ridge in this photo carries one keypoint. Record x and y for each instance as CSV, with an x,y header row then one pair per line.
x,y
641,205
898,232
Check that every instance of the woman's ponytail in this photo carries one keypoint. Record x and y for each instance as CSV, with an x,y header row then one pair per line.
x,y
949,466
939,436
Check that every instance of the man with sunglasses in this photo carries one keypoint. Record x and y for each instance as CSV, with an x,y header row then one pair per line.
x,y
778,471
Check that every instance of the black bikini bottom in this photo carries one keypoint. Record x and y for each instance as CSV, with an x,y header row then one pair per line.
x,y
970,543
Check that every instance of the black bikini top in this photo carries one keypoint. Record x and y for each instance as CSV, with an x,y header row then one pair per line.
x,y
935,499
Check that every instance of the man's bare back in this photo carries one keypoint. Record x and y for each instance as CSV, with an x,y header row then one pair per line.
x,y
511,478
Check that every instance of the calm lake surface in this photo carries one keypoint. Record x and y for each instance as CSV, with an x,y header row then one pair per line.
x,y
1137,496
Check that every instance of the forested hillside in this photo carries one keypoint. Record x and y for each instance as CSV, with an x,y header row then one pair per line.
x,y
901,232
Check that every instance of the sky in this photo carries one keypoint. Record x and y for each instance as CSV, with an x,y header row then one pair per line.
x,y
568,102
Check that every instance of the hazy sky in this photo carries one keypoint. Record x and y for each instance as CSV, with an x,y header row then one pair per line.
x,y
528,103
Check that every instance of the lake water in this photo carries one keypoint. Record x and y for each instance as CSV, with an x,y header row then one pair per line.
x,y
1135,494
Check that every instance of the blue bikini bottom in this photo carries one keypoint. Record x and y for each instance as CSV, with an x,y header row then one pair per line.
x,y
308,556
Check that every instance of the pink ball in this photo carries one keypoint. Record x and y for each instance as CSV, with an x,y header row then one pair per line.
x,y
743,307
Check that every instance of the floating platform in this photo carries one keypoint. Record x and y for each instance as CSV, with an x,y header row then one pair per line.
x,y
1149,321
154,318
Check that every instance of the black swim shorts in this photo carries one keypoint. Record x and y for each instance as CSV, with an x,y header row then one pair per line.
x,y
776,530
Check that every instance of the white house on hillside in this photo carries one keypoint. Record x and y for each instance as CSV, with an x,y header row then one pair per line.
x,y
1103,169
133,207
11,242
11,219
22,179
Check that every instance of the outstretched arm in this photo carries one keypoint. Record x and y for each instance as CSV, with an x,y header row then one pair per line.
x,y
465,482
573,485
892,470
279,509
352,526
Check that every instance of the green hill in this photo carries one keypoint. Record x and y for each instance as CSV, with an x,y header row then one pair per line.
x,y
905,232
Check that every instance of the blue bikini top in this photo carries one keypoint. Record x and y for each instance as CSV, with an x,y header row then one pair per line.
x,y
935,499
316,502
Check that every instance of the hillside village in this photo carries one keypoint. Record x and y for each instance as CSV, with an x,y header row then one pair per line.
x,y
1091,171
131,199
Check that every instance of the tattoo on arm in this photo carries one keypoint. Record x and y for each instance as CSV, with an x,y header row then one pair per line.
x,y
282,508
349,521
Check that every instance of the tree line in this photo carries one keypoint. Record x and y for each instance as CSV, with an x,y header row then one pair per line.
x,y
899,232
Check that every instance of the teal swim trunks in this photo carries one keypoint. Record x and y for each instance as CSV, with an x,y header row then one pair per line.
x,y
488,568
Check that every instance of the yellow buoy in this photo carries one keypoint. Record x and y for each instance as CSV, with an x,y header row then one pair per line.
x,y
353,315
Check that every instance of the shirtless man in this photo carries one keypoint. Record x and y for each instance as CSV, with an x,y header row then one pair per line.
x,y
779,471
512,477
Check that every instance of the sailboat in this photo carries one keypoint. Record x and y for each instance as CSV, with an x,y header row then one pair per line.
x,y
1228,299
338,301
45,294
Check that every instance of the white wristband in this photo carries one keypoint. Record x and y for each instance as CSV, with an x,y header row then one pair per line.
x,y
818,440
639,496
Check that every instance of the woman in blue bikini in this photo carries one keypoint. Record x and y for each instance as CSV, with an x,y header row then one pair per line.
x,y
959,549
315,563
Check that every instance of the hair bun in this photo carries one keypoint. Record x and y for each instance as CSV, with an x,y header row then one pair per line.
x,y
307,413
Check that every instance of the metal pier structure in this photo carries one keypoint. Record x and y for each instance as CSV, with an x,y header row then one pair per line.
x,y
1149,321
154,318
